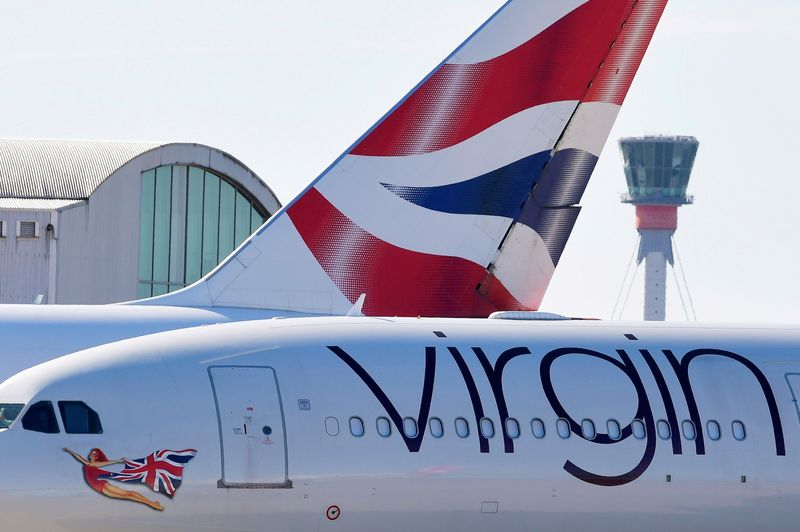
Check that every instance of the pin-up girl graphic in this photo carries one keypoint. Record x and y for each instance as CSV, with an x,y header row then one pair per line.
x,y
97,478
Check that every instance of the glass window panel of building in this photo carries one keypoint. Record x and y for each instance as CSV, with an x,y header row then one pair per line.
x,y
146,204
191,219
161,229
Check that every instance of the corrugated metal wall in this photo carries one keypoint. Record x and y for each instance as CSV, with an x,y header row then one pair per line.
x,y
64,169
24,262
98,243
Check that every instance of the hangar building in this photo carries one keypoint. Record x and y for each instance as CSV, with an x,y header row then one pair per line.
x,y
101,222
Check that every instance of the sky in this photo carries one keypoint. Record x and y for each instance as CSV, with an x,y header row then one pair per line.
x,y
287,86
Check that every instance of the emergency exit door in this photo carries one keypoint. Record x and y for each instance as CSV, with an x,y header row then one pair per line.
x,y
251,427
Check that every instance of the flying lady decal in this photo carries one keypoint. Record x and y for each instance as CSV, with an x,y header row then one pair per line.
x,y
161,471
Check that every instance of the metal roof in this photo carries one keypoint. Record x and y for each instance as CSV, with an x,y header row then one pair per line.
x,y
18,204
61,169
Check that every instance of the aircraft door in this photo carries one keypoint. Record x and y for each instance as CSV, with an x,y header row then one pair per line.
x,y
794,386
251,427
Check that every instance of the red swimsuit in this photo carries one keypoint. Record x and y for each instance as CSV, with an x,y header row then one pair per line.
x,y
92,475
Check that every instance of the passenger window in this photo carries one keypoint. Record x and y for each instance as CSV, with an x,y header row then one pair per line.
x,y
662,427
487,428
713,430
78,418
462,427
384,427
562,427
332,426
738,430
356,426
638,429
537,427
688,430
8,413
436,426
512,428
410,427
588,430
40,417
614,432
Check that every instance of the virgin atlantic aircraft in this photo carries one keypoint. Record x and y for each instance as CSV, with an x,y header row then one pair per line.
x,y
392,424
457,203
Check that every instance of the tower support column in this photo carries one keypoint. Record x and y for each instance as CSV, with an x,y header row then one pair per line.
x,y
655,249
655,286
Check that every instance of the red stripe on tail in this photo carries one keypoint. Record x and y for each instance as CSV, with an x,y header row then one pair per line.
x,y
616,76
459,101
398,282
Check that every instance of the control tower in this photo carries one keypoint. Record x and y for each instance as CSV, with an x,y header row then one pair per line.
x,y
657,170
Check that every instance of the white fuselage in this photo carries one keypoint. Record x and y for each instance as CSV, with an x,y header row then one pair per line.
x,y
275,411
32,334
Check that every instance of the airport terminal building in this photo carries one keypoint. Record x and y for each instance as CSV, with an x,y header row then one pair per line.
x,y
102,222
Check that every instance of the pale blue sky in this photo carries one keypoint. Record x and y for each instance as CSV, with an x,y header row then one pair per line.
x,y
287,86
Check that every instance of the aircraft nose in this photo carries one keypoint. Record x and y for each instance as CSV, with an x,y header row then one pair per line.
x,y
40,485
15,481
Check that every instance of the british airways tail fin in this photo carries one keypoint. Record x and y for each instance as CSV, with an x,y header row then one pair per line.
x,y
460,200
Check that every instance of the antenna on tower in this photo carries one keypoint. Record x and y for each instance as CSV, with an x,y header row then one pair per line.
x,y
657,169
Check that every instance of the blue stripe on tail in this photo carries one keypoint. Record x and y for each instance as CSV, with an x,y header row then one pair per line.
x,y
501,192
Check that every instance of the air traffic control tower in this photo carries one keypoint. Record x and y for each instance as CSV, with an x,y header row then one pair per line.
x,y
657,170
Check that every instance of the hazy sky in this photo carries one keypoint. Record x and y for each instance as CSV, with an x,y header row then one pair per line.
x,y
287,86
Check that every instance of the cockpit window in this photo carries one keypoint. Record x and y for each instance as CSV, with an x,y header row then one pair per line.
x,y
8,413
78,418
40,417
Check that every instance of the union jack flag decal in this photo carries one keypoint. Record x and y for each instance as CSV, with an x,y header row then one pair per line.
x,y
162,471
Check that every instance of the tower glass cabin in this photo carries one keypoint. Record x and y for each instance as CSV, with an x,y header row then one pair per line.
x,y
657,170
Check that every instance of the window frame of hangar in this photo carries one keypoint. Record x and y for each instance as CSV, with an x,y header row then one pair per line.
x,y
173,211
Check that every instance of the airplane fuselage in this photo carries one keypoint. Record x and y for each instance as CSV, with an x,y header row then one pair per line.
x,y
32,334
392,424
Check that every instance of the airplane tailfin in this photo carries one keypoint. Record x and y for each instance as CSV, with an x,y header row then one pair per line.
x,y
460,200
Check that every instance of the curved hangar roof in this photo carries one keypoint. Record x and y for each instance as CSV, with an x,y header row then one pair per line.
x,y
33,169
